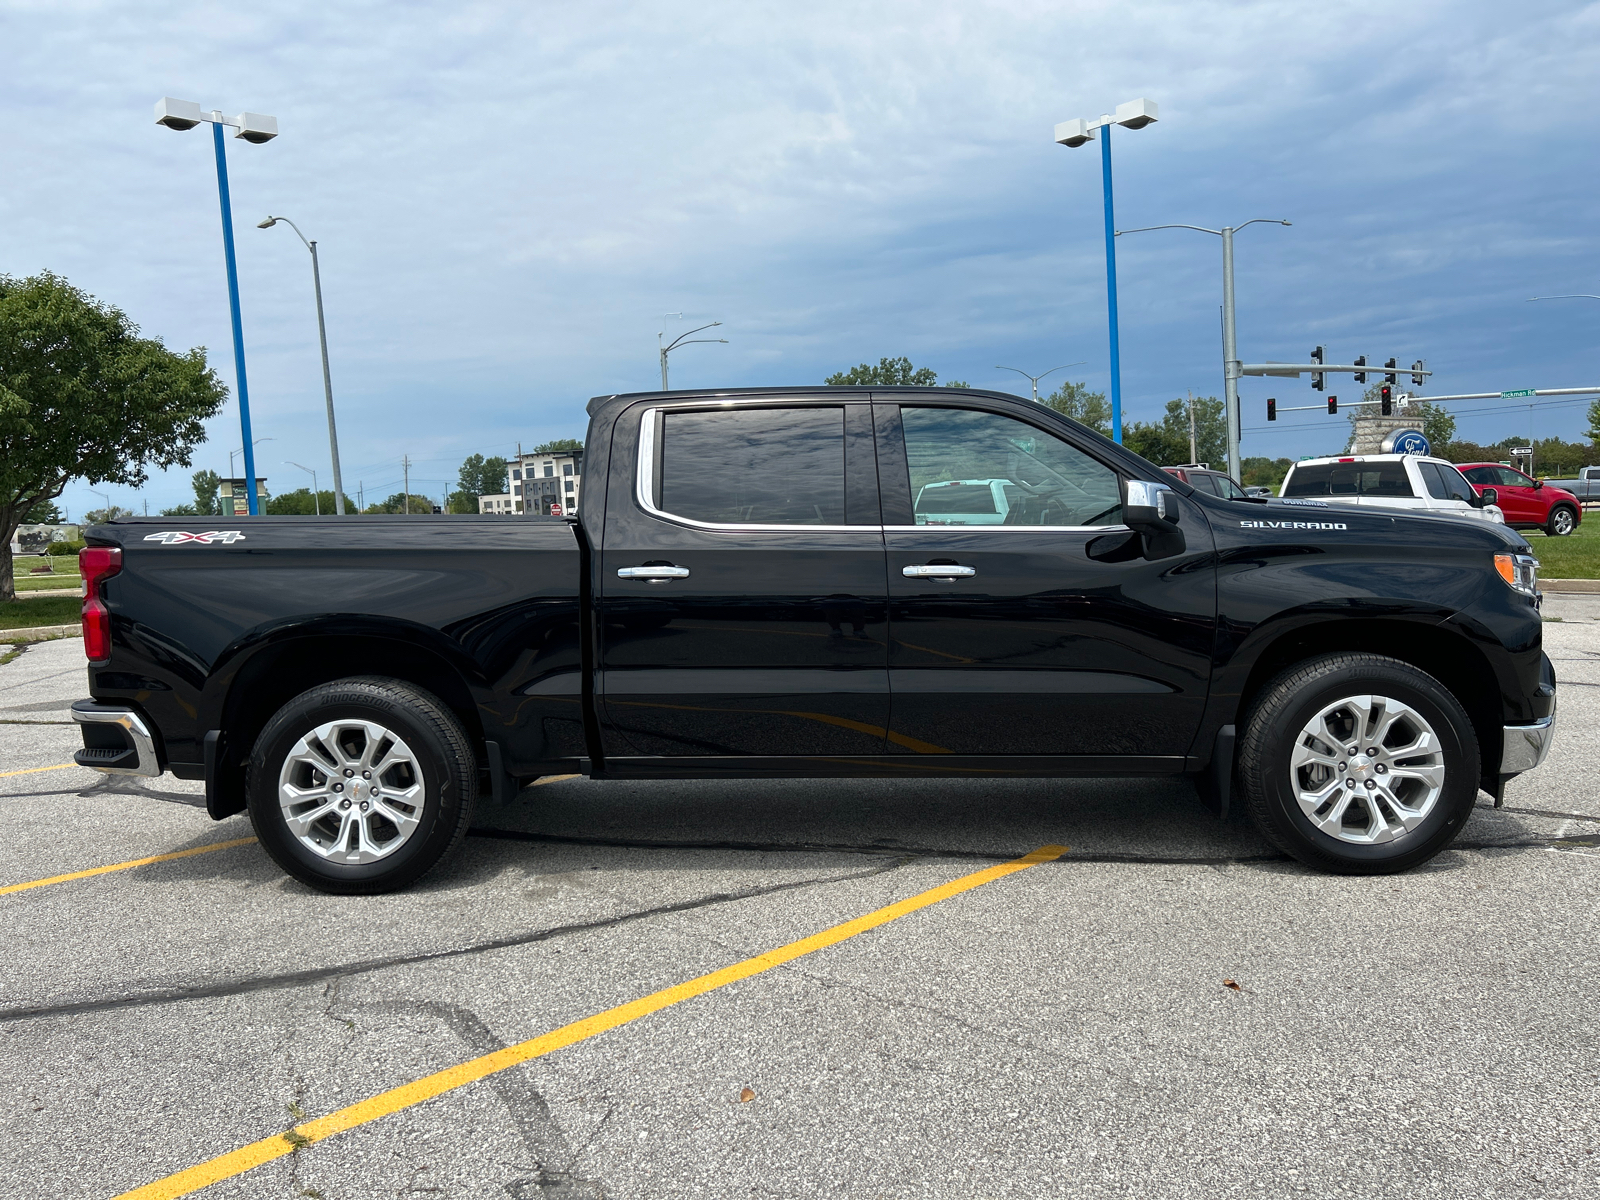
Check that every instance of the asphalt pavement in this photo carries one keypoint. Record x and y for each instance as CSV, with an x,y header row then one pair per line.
x,y
1064,1030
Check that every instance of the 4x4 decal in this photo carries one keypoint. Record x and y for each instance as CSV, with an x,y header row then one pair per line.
x,y
178,538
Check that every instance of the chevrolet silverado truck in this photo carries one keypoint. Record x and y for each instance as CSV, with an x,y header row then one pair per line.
x,y
752,590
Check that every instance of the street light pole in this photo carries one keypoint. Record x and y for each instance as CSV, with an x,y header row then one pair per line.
x,y
1231,366
327,376
316,498
256,128
1034,379
663,351
1135,114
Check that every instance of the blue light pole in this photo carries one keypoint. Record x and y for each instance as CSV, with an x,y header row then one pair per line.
x,y
1135,114
252,127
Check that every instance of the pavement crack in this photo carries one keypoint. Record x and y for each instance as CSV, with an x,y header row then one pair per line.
x,y
290,979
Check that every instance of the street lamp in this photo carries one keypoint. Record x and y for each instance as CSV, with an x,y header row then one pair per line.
x,y
663,351
248,458
1034,379
1230,350
327,377
1579,296
316,498
1135,114
256,128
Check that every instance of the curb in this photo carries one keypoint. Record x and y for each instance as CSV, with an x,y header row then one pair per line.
x,y
1571,586
40,633
78,591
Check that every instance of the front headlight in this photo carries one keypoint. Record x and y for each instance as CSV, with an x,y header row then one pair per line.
x,y
1521,571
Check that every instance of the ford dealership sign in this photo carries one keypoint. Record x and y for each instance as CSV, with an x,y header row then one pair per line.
x,y
1406,441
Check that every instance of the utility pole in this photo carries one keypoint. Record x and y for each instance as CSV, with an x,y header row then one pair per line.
x,y
1194,449
361,496
406,503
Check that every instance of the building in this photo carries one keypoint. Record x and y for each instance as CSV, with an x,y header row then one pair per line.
x,y
536,483
234,495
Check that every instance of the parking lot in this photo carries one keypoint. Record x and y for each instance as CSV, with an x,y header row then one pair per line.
x,y
1166,1008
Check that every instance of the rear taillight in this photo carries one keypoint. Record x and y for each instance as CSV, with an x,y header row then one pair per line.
x,y
97,564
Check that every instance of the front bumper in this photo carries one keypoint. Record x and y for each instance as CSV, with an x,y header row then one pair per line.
x,y
1526,745
116,740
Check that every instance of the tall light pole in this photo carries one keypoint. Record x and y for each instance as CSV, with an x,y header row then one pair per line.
x,y
240,450
663,351
256,128
1135,114
316,498
327,377
1230,348
1034,379
1579,296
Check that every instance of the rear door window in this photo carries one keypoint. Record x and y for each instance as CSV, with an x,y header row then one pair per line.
x,y
1206,483
753,466
1308,481
1455,483
1383,480
1434,480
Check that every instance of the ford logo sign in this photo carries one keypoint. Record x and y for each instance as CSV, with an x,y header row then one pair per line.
x,y
1406,441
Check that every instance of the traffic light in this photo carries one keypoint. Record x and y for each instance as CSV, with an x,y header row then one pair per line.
x,y
1361,376
1318,379
1416,372
1386,399
1333,405
1389,378
1272,409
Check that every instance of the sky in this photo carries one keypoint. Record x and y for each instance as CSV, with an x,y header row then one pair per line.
x,y
512,200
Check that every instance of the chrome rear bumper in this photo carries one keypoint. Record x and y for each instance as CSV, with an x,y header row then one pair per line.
x,y
115,740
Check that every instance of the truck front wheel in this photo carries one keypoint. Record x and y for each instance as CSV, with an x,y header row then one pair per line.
x,y
1562,521
361,785
1358,764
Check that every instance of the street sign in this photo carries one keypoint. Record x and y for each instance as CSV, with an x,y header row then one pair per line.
x,y
1519,394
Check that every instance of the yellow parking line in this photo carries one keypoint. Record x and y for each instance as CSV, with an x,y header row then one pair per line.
x,y
237,1162
36,770
124,866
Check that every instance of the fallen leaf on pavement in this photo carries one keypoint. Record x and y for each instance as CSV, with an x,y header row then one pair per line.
x,y
1228,983
746,1095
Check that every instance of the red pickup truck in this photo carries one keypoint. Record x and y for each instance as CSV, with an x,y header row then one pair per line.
x,y
1527,503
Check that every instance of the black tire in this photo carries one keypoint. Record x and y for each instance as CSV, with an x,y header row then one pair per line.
x,y
1278,719
1563,520
440,768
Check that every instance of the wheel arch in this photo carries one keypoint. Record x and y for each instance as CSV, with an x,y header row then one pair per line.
x,y
1444,653
260,678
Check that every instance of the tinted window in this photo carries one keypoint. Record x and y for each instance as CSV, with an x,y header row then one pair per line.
x,y
1308,481
760,466
1455,483
1479,475
1434,481
957,497
1044,480
1206,483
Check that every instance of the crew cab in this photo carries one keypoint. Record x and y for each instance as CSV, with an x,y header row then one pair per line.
x,y
1585,488
753,590
1527,503
1410,482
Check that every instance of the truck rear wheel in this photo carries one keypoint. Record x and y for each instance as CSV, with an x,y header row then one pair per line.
x,y
1358,764
361,785
1562,521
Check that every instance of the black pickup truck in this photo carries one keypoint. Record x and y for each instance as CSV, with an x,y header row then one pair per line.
x,y
822,582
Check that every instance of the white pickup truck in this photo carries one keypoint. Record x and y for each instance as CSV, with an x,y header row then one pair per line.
x,y
1401,481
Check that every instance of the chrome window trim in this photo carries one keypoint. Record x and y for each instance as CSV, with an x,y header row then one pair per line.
x,y
1010,528
645,476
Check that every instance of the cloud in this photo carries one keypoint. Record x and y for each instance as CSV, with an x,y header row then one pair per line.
x,y
507,198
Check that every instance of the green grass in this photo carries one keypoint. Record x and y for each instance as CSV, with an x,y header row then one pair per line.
x,y
47,583
30,614
1576,556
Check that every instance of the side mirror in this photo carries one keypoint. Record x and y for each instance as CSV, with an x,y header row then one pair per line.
x,y
1487,497
1537,484
1151,511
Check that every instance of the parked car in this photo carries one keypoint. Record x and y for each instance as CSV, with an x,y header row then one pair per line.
x,y
750,594
1585,489
1259,490
1391,481
1217,483
1527,503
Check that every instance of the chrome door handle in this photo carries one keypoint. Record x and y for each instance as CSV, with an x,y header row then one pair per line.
x,y
945,571
653,574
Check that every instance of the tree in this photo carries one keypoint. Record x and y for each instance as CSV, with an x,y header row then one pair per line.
x,y
559,446
1594,421
83,396
44,512
300,503
397,504
480,476
99,516
890,372
1166,442
1155,441
1076,401
1264,472
206,486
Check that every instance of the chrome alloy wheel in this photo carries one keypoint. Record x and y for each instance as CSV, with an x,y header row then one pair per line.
x,y
1367,769
351,791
